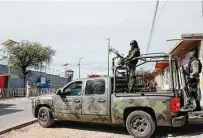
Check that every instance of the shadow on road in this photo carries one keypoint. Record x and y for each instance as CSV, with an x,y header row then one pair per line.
x,y
5,111
188,130
92,127
161,132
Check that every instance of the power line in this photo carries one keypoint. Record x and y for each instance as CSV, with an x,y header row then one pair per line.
x,y
152,28
160,14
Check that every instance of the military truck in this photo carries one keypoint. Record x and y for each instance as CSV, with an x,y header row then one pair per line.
x,y
107,100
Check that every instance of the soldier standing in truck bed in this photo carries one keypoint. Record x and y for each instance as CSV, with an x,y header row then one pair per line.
x,y
134,52
194,69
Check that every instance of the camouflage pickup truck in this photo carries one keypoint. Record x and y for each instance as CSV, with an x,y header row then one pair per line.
x,y
104,100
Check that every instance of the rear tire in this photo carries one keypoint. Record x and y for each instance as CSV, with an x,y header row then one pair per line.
x,y
140,124
45,117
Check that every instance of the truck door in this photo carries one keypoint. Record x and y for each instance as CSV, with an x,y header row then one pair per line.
x,y
71,97
95,98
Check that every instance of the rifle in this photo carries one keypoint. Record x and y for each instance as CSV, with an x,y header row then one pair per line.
x,y
121,61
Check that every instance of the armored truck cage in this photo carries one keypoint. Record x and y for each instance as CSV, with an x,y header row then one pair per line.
x,y
121,72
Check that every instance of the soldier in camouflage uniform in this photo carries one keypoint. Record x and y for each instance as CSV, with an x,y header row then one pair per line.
x,y
134,52
194,69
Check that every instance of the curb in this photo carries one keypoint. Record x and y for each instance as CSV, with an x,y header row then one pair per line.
x,y
18,126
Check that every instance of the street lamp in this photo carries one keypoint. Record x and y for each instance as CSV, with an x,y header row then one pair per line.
x,y
79,65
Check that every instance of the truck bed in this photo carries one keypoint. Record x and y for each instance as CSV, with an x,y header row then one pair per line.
x,y
144,94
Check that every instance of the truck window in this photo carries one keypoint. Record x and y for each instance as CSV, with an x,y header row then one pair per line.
x,y
96,86
73,89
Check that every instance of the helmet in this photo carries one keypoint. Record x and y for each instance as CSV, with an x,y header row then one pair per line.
x,y
134,42
192,54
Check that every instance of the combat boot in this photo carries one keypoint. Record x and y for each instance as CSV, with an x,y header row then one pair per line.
x,y
186,108
198,107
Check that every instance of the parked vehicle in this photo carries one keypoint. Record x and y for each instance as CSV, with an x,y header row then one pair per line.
x,y
106,100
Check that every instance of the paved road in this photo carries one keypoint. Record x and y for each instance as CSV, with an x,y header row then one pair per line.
x,y
14,112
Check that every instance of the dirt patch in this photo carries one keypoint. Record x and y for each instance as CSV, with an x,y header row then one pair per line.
x,y
85,130
68,130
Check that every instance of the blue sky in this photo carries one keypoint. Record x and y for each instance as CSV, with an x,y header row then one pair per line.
x,y
80,29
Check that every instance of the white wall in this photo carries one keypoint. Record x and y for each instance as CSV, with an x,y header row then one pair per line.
x,y
163,79
201,74
159,79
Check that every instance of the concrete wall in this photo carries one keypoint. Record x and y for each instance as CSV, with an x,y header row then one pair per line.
x,y
55,80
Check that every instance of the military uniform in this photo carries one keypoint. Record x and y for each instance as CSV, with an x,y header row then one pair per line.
x,y
134,52
194,68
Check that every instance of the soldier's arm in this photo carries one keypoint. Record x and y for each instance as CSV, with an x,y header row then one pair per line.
x,y
195,68
133,54
126,58
128,55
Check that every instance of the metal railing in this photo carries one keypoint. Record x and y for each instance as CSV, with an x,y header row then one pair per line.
x,y
23,92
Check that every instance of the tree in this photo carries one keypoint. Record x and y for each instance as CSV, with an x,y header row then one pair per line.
x,y
29,54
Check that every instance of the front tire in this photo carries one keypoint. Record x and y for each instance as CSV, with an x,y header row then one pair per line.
x,y
45,117
140,124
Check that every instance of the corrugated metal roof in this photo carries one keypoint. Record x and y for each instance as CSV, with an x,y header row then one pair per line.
x,y
9,42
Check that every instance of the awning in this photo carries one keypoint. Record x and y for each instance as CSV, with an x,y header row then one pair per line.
x,y
188,42
184,47
161,65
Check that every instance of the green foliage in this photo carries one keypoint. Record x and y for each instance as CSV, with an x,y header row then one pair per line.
x,y
3,54
29,54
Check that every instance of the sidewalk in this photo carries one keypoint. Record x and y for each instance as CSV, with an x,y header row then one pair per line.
x,y
14,112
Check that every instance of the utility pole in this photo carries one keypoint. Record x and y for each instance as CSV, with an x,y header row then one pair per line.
x,y
79,65
108,53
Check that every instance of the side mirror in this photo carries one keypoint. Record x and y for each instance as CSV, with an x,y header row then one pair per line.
x,y
58,92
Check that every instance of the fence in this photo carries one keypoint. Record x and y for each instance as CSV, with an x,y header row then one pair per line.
x,y
22,92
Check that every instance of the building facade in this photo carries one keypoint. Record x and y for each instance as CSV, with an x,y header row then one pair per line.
x,y
15,82
188,43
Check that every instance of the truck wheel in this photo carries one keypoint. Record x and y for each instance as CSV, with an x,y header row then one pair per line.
x,y
45,117
140,124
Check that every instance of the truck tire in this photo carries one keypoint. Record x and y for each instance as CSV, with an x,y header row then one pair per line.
x,y
140,124
45,117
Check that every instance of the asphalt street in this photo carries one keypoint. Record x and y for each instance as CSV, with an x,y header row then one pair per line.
x,y
14,112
